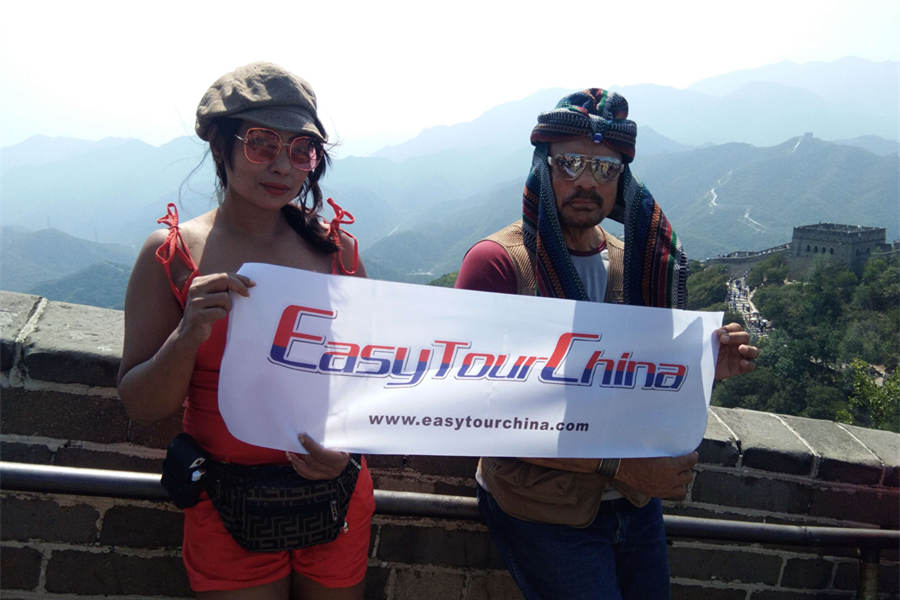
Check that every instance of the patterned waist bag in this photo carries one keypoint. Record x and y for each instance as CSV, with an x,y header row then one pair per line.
x,y
270,508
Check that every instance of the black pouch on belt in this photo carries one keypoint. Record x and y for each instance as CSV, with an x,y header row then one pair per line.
x,y
185,470
269,508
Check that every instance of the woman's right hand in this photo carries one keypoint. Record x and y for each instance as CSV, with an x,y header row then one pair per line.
x,y
208,301
320,462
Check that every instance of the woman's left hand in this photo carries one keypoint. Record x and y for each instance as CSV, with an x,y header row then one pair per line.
x,y
736,355
320,463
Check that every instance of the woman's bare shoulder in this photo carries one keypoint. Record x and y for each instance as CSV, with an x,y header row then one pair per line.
x,y
191,230
154,251
196,230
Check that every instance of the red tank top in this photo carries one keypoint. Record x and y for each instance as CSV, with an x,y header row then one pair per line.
x,y
202,418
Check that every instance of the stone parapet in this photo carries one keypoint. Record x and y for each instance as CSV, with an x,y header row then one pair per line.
x,y
59,407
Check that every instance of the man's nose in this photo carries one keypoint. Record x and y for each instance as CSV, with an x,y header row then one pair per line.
x,y
586,172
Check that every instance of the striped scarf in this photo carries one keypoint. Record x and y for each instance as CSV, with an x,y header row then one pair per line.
x,y
655,269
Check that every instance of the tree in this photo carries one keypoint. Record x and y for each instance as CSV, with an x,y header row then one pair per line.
x,y
873,405
771,271
730,316
879,287
827,331
706,285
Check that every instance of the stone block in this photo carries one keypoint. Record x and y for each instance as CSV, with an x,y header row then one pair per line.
x,y
140,527
842,458
36,454
447,466
64,416
718,446
437,546
889,578
453,489
32,518
807,573
386,461
886,446
766,443
376,583
772,495
724,565
846,575
880,508
415,583
94,573
114,461
20,568
401,483
493,585
695,592
15,310
829,552
157,434
74,343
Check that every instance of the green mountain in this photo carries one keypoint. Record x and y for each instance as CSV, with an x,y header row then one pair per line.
x,y
751,198
866,86
719,198
421,204
111,191
435,243
27,259
101,284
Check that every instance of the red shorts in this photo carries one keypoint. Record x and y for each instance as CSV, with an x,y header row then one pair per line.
x,y
214,561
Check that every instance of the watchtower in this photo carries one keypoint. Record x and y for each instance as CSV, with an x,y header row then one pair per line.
x,y
849,244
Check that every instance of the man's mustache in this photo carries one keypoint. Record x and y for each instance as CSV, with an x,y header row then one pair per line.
x,y
584,195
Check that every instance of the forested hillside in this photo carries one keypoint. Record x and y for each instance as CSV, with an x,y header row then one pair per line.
x,y
833,349
101,284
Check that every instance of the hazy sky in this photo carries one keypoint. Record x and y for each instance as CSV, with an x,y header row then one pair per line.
x,y
383,71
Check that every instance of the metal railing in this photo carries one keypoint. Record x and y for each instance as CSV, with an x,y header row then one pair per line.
x,y
129,484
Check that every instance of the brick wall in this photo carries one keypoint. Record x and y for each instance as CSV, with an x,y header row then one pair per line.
x,y
59,407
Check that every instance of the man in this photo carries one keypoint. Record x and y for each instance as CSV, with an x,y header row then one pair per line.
x,y
587,528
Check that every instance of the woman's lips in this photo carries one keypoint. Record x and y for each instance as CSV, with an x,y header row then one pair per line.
x,y
276,189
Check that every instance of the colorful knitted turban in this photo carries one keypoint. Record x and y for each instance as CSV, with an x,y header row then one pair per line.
x,y
596,113
655,265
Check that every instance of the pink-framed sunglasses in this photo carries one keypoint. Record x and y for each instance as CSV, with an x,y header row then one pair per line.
x,y
263,145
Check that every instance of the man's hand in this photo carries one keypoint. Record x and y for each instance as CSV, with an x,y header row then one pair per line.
x,y
736,355
663,477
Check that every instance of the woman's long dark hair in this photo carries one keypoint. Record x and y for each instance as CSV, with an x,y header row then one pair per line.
x,y
302,216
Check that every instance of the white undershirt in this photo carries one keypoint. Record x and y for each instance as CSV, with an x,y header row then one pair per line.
x,y
594,272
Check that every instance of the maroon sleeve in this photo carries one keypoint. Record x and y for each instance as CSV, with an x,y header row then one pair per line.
x,y
487,268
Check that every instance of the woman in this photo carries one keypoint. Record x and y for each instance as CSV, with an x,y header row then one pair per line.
x,y
268,147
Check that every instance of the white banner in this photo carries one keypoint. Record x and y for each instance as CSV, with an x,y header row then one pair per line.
x,y
391,368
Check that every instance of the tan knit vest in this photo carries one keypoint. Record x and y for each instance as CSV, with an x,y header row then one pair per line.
x,y
533,492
